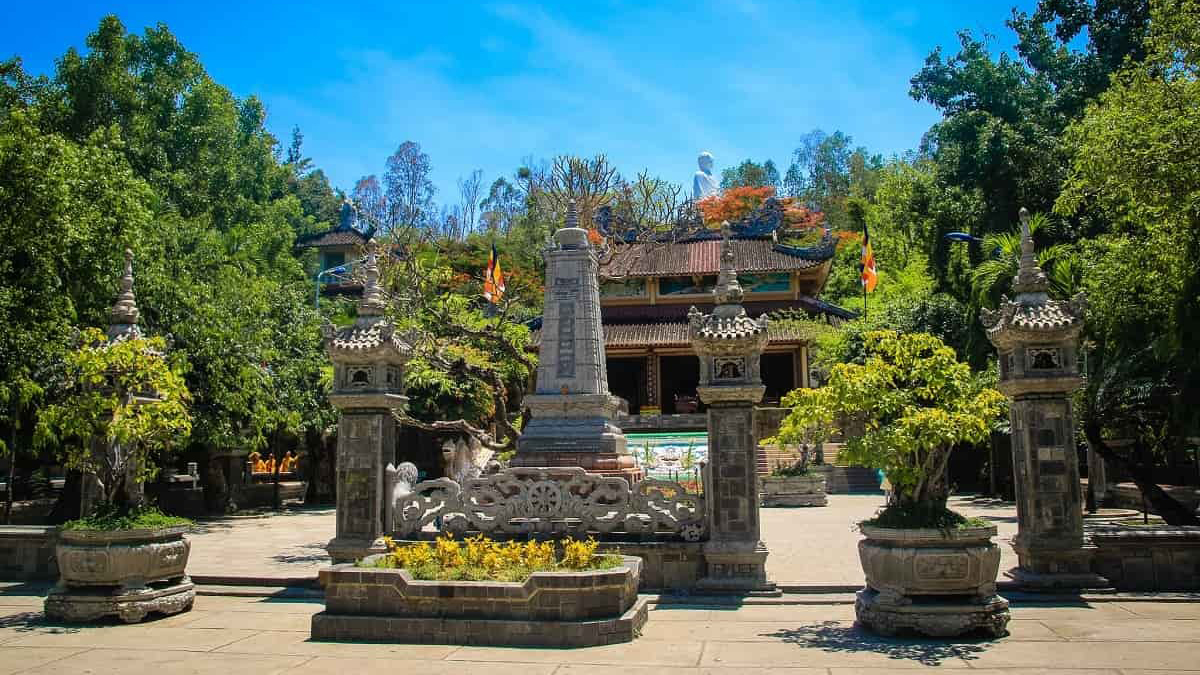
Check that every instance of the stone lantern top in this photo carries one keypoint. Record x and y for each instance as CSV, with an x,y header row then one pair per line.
x,y
123,317
728,322
1032,317
728,342
372,336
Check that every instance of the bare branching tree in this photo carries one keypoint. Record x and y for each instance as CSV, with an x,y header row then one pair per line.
x,y
469,191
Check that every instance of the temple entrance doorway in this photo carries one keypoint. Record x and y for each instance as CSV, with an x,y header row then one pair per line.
x,y
778,375
627,379
680,376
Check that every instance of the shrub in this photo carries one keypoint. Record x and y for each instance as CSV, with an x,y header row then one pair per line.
x,y
481,559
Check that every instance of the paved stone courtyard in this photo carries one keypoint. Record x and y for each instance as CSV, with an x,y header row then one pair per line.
x,y
809,546
260,635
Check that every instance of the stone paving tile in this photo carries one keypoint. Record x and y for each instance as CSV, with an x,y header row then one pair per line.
x,y
654,670
677,613
17,659
1146,655
1162,610
640,652
1143,630
290,543
98,661
258,605
841,647
1098,611
133,637
995,671
1127,671
272,621
299,644
347,666
785,613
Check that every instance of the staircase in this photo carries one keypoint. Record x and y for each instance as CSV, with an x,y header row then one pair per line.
x,y
839,477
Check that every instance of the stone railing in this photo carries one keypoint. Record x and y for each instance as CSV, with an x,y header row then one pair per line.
x,y
520,500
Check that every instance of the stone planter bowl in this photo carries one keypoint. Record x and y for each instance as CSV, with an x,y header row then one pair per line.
x,y
806,490
127,558
549,609
923,562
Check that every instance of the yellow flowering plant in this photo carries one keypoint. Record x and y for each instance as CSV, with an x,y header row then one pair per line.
x,y
481,559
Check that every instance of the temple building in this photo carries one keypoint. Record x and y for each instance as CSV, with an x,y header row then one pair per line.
x,y
338,247
646,290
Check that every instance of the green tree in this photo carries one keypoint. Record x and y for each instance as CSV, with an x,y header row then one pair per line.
x,y
124,407
1136,155
914,401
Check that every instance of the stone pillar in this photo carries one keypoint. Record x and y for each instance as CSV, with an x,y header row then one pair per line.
x,y
729,345
1037,339
1097,476
571,408
368,374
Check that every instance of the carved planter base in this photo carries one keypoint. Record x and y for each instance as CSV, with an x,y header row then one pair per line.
x,y
935,582
126,573
807,490
88,604
948,616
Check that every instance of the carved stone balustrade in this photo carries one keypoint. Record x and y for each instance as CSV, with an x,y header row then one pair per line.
x,y
557,500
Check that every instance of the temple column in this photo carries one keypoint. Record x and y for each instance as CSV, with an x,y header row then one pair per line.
x,y
729,346
1037,339
368,374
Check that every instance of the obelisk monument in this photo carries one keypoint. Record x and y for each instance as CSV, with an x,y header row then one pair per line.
x,y
572,409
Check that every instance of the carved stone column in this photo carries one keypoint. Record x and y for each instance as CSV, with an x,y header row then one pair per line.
x,y
1037,339
368,374
729,345
571,408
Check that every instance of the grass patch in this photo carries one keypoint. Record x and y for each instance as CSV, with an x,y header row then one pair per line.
x,y
922,516
112,519
482,559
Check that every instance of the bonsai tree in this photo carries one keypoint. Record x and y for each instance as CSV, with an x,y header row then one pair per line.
x,y
915,402
123,406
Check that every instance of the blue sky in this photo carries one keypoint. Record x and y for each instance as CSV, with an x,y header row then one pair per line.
x,y
484,85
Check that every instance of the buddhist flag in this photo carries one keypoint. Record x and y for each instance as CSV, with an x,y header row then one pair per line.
x,y
869,278
493,278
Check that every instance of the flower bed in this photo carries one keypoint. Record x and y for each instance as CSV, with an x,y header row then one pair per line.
x,y
559,607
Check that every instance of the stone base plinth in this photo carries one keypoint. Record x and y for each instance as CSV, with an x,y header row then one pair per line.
x,y
734,571
491,632
1054,569
350,549
936,616
602,464
90,603
1049,582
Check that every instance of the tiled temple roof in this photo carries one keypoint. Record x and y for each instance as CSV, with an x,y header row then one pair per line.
x,y
626,335
696,257
802,307
334,237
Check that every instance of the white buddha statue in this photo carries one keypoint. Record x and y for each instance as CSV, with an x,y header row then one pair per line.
x,y
703,183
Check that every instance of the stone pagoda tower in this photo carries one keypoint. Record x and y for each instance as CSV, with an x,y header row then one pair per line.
x,y
572,409
368,374
729,344
1037,339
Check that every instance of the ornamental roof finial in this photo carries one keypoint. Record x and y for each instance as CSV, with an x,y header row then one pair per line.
x,y
1030,281
372,303
124,310
572,214
727,291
